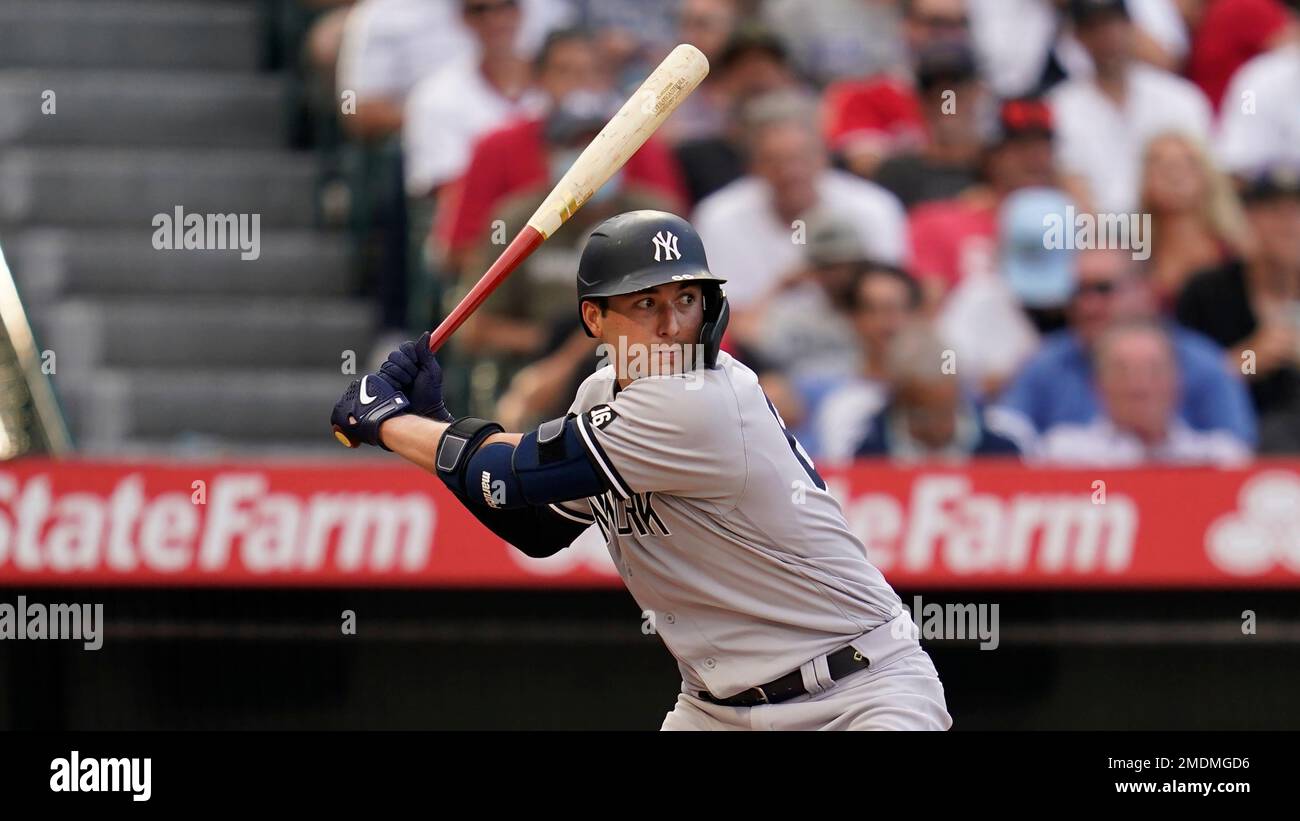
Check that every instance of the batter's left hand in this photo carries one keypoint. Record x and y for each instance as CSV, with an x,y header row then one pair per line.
x,y
366,403
415,371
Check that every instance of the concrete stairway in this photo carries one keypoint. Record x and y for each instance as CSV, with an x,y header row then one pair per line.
x,y
159,104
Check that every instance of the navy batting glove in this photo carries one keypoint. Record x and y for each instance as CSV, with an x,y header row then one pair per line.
x,y
366,403
415,371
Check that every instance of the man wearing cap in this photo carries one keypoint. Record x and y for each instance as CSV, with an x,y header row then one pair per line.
x,y
805,328
1252,306
877,114
1018,291
955,238
718,523
1104,121
953,102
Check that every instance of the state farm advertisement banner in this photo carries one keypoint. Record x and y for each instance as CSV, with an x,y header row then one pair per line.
x,y
341,524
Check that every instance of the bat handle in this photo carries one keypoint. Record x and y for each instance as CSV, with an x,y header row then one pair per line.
x,y
524,243
343,438
442,333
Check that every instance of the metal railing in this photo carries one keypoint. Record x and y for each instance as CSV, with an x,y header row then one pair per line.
x,y
30,418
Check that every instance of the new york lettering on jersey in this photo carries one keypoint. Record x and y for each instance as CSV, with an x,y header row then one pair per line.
x,y
699,515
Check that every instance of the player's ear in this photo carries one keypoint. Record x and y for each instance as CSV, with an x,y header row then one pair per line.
x,y
592,316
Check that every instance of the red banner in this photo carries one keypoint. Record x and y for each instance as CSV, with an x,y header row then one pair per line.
x,y
346,524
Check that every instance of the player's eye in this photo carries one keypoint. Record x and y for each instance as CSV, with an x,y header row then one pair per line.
x,y
648,302
687,299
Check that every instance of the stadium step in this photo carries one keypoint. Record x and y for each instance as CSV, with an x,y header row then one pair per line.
x,y
124,187
52,263
202,334
133,108
160,105
204,409
181,34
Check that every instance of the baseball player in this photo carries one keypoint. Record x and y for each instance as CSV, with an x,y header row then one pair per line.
x,y
717,520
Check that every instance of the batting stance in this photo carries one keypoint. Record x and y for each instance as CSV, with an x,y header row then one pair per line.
x,y
715,517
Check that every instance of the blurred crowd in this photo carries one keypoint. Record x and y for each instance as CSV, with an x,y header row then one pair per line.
x,y
1063,231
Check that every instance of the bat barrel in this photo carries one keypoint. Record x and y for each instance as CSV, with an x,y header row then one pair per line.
x,y
676,77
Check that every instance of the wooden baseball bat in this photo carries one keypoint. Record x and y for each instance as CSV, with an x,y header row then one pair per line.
x,y
677,76
643,113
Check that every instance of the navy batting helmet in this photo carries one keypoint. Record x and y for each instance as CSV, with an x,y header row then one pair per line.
x,y
642,249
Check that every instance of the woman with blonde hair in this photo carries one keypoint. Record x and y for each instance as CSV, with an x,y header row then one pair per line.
x,y
1196,218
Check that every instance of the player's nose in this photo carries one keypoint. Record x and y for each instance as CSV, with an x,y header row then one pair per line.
x,y
669,326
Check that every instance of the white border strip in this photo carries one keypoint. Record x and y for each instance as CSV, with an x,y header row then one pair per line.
x,y
569,514
588,440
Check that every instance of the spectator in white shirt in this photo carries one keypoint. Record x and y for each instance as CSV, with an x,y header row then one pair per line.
x,y
754,229
388,46
1104,122
1138,384
1023,46
1260,125
451,108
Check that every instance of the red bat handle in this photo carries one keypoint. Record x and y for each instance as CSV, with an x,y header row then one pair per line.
x,y
524,243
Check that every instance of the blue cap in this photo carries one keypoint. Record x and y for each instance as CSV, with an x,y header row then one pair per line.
x,y
1041,277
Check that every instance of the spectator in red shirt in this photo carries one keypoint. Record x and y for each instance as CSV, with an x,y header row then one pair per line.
x,y
868,119
518,156
1227,33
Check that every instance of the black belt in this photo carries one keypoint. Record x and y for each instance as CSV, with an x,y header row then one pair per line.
x,y
840,663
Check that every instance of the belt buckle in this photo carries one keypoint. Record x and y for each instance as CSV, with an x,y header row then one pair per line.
x,y
762,696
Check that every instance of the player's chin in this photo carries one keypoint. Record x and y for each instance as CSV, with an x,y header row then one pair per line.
x,y
674,360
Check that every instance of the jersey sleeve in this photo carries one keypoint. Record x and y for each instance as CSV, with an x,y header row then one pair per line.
x,y
679,435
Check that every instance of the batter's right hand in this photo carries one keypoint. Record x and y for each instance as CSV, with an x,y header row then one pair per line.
x,y
414,371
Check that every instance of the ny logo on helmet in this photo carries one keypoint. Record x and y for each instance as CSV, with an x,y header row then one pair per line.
x,y
667,242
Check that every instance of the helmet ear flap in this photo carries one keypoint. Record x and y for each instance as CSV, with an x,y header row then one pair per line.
x,y
716,315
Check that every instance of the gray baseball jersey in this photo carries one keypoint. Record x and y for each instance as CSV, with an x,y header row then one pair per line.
x,y
720,526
